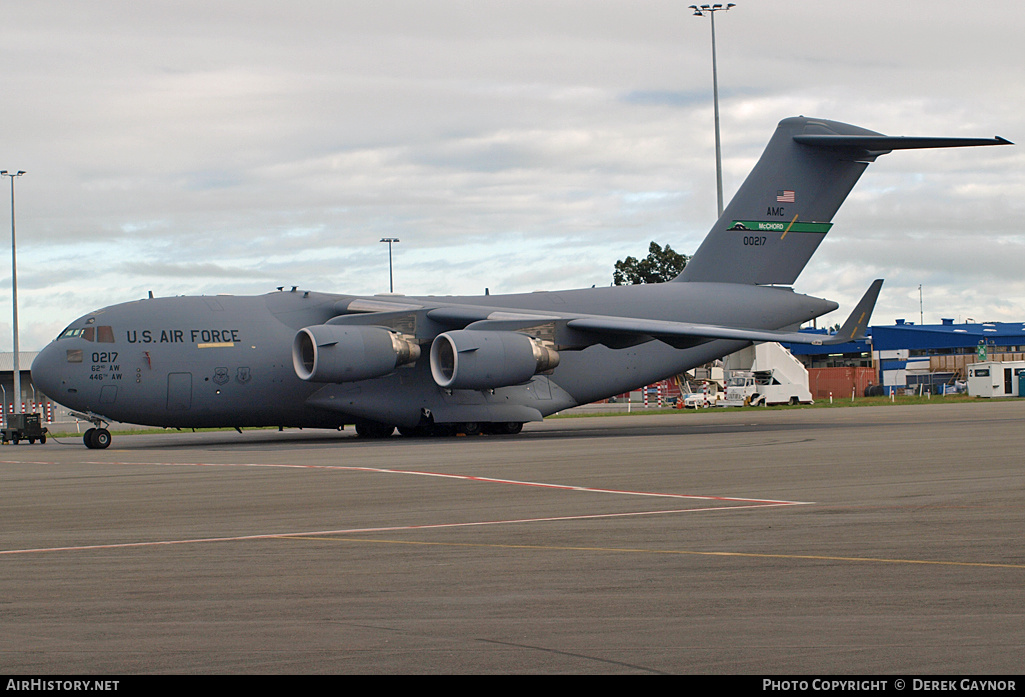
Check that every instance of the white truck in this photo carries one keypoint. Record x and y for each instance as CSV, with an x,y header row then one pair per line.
x,y
774,377
702,400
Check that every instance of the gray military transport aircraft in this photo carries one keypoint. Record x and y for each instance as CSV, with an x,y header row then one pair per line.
x,y
428,365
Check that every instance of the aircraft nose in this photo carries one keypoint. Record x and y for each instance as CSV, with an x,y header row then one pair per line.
x,y
47,371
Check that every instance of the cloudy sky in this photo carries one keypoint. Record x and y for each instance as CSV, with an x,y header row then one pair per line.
x,y
230,147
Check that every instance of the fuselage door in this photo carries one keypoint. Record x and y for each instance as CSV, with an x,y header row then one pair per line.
x,y
179,391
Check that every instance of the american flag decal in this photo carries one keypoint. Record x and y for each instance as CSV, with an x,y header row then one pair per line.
x,y
786,196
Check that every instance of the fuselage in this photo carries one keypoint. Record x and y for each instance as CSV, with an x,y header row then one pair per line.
x,y
224,361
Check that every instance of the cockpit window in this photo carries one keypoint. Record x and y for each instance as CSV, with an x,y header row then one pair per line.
x,y
102,334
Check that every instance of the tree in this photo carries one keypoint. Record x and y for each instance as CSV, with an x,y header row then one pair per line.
x,y
661,264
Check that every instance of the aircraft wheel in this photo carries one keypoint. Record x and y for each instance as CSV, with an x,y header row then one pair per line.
x,y
471,428
443,430
508,428
101,438
370,429
418,431
87,438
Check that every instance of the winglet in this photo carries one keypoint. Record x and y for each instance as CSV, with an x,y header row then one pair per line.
x,y
854,328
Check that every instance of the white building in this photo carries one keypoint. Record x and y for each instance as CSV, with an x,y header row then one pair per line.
x,y
996,379
31,399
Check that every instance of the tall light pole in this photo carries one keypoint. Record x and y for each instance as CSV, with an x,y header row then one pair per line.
x,y
391,278
700,12
14,294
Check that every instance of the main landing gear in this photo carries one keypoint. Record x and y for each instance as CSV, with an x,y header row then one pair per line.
x,y
427,429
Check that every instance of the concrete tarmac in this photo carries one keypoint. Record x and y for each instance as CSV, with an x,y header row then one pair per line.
x,y
844,541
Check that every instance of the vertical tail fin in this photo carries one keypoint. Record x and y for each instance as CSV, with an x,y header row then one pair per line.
x,y
784,209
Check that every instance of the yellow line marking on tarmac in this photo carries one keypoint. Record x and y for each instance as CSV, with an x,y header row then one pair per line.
x,y
685,552
390,528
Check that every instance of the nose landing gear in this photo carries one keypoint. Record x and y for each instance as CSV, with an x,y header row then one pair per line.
x,y
98,437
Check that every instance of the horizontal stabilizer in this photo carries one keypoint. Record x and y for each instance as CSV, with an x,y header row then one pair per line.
x,y
883,144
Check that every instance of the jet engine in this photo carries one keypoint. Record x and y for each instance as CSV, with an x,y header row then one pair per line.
x,y
468,359
344,353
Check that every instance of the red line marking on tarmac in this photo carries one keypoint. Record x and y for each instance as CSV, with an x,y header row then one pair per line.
x,y
749,504
394,528
440,475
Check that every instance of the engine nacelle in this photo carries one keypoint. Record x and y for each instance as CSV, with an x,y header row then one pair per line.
x,y
480,360
346,353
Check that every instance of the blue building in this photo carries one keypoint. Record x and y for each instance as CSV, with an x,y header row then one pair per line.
x,y
922,357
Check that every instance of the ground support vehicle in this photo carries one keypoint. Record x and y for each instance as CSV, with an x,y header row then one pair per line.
x,y
23,427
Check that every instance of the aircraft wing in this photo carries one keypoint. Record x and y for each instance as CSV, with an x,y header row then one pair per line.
x,y
583,330
670,331
852,330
